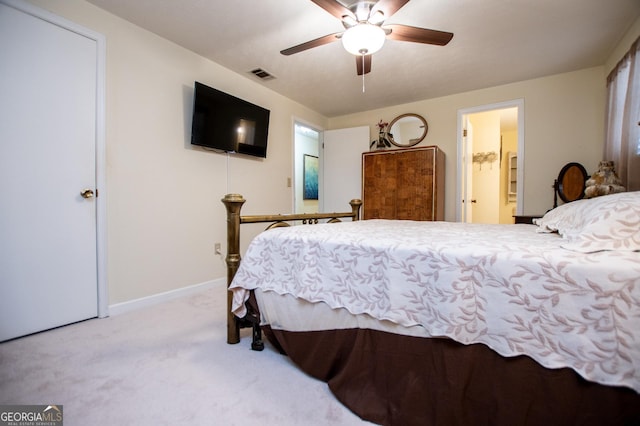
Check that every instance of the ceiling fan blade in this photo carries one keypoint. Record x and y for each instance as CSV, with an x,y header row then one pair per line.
x,y
311,44
418,35
334,8
388,7
367,64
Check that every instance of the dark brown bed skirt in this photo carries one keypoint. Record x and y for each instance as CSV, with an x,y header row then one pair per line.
x,y
391,379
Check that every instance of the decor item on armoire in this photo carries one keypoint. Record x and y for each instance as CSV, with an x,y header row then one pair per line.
x,y
406,184
382,142
407,130
604,181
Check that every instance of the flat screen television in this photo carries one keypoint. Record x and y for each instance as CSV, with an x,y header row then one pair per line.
x,y
226,123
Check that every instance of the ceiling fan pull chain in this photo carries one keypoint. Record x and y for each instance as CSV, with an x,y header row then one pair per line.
x,y
363,73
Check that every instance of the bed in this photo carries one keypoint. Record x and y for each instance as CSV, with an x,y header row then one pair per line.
x,y
415,323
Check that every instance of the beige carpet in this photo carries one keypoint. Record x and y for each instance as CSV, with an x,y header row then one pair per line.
x,y
163,365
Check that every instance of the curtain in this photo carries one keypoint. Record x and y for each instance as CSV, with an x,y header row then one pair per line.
x,y
622,144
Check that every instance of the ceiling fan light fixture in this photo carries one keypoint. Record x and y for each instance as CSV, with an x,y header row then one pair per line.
x,y
363,39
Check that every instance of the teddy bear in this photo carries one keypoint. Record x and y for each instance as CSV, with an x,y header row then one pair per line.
x,y
604,181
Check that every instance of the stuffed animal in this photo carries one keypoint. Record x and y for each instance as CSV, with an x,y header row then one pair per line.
x,y
604,181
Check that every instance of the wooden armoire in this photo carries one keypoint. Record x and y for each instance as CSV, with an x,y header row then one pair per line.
x,y
403,184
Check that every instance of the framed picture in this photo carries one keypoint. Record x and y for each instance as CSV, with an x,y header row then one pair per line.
x,y
310,177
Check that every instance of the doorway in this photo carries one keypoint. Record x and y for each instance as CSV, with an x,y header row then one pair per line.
x,y
490,163
306,160
339,171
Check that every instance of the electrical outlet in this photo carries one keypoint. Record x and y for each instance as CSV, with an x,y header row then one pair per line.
x,y
218,248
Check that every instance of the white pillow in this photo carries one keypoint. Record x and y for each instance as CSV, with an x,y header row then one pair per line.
x,y
559,218
609,222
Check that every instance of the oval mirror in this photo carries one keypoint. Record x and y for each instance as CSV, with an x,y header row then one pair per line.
x,y
407,130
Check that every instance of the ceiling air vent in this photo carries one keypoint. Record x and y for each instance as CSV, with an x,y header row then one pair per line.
x,y
262,74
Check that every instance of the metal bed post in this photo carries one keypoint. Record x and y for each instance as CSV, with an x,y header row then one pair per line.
x,y
233,203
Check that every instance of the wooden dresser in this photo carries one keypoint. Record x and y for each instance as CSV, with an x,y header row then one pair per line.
x,y
403,184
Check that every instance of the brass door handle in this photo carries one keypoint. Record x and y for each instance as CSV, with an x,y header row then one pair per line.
x,y
87,193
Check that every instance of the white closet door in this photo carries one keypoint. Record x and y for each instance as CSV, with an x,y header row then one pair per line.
x,y
48,264
342,167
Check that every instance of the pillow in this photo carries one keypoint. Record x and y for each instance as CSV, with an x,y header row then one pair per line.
x,y
609,222
563,218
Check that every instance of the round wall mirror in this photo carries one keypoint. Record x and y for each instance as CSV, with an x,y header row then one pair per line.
x,y
407,130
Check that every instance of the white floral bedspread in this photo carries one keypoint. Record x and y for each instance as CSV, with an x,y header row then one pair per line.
x,y
506,286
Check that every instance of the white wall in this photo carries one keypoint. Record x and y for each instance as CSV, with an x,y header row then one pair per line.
x,y
564,122
164,211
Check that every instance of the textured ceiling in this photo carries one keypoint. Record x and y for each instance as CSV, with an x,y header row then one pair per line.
x,y
495,42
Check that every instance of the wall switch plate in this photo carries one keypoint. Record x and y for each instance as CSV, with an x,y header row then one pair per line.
x,y
218,248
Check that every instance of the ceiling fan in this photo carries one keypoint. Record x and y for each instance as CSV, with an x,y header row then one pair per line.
x,y
365,31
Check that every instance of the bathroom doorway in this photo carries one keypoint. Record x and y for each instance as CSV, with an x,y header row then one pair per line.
x,y
490,163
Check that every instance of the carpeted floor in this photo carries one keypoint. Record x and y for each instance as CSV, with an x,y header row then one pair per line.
x,y
168,364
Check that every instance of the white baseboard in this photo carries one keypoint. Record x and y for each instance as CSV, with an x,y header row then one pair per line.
x,y
143,302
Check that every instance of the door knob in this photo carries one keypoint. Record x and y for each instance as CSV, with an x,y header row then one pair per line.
x,y
87,193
